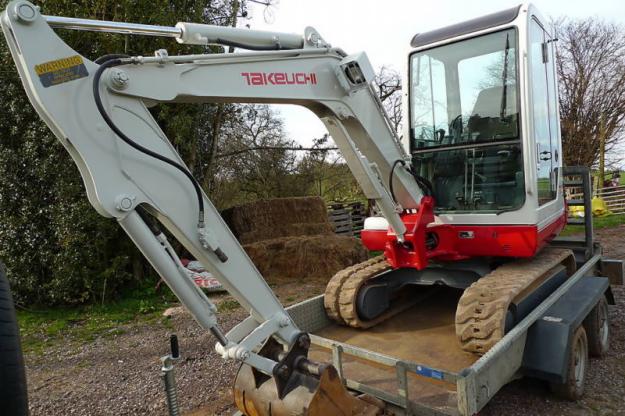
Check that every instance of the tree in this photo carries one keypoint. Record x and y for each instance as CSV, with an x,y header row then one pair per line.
x,y
254,160
591,70
388,82
322,171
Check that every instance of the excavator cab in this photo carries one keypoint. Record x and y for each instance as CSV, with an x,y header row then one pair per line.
x,y
483,122
465,133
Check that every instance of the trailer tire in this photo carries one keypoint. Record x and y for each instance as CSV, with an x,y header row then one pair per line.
x,y
573,387
13,393
597,326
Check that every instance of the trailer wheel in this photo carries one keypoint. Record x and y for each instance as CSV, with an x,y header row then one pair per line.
x,y
597,327
573,388
13,393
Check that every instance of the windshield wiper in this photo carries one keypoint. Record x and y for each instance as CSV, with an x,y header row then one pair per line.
x,y
504,76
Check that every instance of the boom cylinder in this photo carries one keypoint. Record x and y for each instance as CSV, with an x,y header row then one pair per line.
x,y
186,33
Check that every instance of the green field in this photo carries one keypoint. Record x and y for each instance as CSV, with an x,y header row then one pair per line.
x,y
42,328
608,221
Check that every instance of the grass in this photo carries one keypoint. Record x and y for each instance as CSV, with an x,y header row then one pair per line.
x,y
44,328
228,305
608,221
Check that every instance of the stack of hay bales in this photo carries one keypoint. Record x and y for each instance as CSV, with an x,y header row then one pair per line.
x,y
292,238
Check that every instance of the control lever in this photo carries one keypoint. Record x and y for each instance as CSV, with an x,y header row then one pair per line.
x,y
167,373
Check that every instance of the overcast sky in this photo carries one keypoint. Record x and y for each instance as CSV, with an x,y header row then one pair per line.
x,y
383,30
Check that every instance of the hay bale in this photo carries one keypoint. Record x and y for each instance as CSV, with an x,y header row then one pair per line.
x,y
280,217
286,230
313,257
291,238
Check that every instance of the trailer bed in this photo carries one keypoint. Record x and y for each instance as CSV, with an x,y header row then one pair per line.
x,y
429,327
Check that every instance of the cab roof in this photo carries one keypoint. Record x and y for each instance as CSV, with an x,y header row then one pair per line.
x,y
466,27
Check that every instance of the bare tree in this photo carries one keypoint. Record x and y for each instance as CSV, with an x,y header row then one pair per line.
x,y
388,81
591,69
253,157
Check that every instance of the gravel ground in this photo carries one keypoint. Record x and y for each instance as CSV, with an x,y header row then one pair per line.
x,y
119,374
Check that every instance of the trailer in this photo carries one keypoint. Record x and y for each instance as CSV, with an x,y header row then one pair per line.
x,y
432,375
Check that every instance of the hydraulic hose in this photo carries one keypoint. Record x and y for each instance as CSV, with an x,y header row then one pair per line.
x,y
233,44
422,183
390,178
116,61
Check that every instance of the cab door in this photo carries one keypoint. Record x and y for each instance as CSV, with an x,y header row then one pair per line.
x,y
544,112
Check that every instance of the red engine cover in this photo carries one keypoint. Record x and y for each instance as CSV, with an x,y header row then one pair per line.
x,y
425,240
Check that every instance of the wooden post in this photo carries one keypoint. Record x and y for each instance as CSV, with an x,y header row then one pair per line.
x,y
601,153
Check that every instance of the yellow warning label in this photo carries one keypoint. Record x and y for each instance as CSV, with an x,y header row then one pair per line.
x,y
61,70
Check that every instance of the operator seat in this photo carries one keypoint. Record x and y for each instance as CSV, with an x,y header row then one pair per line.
x,y
485,121
499,169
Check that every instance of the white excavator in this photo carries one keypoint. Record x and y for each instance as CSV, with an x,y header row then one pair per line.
x,y
470,196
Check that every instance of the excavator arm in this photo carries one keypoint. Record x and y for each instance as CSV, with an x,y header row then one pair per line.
x,y
99,112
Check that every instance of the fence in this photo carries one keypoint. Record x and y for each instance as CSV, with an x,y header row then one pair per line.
x,y
613,196
347,219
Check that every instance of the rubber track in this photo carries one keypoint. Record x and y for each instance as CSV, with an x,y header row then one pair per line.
x,y
342,292
333,289
481,312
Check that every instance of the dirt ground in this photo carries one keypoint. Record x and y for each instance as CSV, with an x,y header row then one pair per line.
x,y
120,374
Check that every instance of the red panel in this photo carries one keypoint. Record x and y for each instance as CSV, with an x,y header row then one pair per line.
x,y
374,240
456,242
552,230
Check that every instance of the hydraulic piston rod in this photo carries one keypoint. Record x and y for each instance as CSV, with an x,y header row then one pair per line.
x,y
187,33
112,27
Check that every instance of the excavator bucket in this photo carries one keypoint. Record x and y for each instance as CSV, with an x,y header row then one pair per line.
x,y
309,395
297,387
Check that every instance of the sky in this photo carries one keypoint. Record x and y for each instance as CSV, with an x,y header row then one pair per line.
x,y
383,29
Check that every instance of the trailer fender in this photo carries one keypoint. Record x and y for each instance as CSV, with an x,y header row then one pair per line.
x,y
614,270
548,341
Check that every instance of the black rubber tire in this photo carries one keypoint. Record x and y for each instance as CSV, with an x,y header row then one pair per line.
x,y
13,393
597,326
577,367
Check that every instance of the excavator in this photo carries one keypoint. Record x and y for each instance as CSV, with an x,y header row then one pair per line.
x,y
470,196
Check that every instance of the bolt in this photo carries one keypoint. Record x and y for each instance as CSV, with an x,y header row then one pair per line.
x,y
119,79
124,202
304,342
25,12
162,54
283,371
313,38
284,321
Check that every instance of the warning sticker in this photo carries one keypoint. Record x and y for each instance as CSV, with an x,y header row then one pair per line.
x,y
61,70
